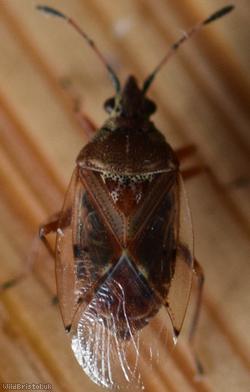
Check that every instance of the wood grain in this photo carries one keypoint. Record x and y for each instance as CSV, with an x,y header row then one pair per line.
x,y
202,97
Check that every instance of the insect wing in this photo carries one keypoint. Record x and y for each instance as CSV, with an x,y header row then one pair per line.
x,y
65,268
116,340
125,330
179,291
85,250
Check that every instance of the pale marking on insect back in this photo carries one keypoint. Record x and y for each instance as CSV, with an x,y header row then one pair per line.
x,y
125,179
138,197
143,271
60,232
115,195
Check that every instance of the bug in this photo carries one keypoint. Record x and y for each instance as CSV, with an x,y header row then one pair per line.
x,y
124,248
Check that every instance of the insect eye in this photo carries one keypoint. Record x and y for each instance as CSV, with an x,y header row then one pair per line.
x,y
109,105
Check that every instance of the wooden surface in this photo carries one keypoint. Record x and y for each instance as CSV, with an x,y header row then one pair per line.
x,y
202,97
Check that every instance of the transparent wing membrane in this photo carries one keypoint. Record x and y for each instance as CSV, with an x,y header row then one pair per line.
x,y
180,287
114,343
65,269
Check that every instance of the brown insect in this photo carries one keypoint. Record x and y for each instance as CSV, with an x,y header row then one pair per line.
x,y
124,250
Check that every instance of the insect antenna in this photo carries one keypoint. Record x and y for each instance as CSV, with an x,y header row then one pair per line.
x,y
185,37
91,43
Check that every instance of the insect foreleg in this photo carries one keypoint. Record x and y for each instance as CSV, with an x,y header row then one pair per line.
x,y
82,118
85,122
193,171
185,152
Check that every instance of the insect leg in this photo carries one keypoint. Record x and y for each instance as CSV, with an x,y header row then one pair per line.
x,y
82,118
50,226
193,171
198,271
85,122
28,266
11,283
186,151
